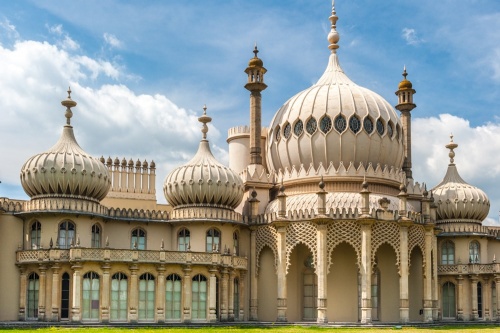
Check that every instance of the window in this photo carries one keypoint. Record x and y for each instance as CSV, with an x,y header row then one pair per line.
x,y
173,294
138,239
390,129
479,300
380,127
90,296
325,124
298,128
474,252
448,253
494,301
368,125
183,240
118,306
236,244
448,300
354,124
278,135
65,296
146,297
36,230
66,234
96,236
199,297
287,131
236,299
213,240
311,126
33,288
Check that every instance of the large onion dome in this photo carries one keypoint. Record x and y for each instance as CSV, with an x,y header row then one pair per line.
x,y
456,200
65,170
335,121
203,181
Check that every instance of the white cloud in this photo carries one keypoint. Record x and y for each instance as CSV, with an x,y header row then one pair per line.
x,y
8,29
112,41
110,119
55,29
410,36
64,41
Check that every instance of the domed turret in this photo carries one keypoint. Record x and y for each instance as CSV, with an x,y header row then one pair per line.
x,y
456,200
203,181
335,121
65,170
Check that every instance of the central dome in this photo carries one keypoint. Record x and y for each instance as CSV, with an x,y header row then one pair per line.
x,y
335,121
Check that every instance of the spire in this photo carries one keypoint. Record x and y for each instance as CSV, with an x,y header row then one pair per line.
x,y
333,36
68,103
204,120
452,145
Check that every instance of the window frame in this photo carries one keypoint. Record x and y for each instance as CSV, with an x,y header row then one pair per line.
x,y
474,252
448,252
183,234
65,242
216,234
36,229
95,242
137,238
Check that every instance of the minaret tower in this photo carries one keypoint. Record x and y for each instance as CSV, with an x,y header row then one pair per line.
x,y
255,85
405,105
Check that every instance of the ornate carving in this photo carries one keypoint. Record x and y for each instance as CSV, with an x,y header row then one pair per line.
x,y
416,238
266,236
343,231
297,233
385,232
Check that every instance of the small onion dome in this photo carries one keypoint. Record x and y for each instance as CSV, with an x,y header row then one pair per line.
x,y
255,61
456,200
203,181
65,170
405,83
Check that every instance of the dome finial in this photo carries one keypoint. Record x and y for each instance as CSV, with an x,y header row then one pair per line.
x,y
204,120
452,145
404,72
333,36
68,103
255,50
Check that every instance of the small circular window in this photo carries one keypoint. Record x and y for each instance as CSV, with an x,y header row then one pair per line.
x,y
368,125
325,124
340,124
287,131
390,130
380,127
311,126
278,135
298,128
354,124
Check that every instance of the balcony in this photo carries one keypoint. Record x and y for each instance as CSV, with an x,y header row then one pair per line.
x,y
465,269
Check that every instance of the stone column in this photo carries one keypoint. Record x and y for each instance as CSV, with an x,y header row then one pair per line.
x,y
134,299
487,298
230,292
497,289
160,294
22,293
106,290
224,295
186,288
212,298
76,297
253,276
460,298
366,270
42,292
243,296
282,288
435,279
473,283
404,304
321,271
429,233
55,292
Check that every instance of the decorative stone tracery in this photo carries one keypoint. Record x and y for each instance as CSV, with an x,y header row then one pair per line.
x,y
343,231
266,236
385,232
297,233
416,238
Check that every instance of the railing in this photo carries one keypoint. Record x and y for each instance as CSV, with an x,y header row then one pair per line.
x,y
78,254
460,269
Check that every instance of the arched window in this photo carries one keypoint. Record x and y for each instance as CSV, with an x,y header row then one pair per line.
x,y
146,297
33,288
119,287
474,252
448,295
138,239
183,240
90,296
36,231
173,297
236,243
199,297
213,240
66,234
447,253
96,236
236,298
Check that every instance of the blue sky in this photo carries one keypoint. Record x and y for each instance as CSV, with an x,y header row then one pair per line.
x,y
142,70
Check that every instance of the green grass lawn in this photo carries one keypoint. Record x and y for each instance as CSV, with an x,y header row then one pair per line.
x,y
281,329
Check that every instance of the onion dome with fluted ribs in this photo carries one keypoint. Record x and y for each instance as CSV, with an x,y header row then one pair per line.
x,y
335,122
65,170
456,200
203,181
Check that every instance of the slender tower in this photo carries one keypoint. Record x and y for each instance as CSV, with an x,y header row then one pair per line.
x,y
255,85
405,105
